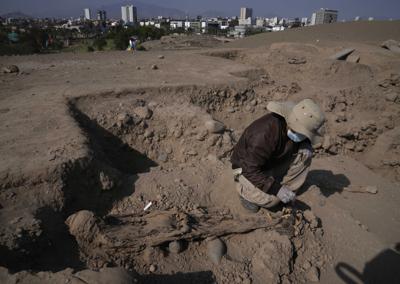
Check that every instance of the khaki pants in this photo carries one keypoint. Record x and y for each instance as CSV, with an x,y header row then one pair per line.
x,y
291,173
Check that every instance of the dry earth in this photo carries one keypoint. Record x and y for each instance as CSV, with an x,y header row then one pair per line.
x,y
88,140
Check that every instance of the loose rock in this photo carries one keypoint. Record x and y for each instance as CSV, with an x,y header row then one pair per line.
x,y
143,112
11,69
295,60
214,126
392,45
216,249
311,218
392,97
106,182
371,189
154,67
175,247
152,268
313,274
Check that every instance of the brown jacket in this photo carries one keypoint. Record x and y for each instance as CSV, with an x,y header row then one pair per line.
x,y
262,146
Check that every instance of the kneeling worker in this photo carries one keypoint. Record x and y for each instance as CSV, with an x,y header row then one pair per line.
x,y
273,156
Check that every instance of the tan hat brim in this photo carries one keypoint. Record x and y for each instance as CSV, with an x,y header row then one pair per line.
x,y
314,137
281,108
284,109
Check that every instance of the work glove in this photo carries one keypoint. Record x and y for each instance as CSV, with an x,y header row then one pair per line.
x,y
286,195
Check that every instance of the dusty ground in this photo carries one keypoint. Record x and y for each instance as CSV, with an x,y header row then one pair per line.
x,y
107,133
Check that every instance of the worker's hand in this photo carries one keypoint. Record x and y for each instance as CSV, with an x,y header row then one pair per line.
x,y
286,195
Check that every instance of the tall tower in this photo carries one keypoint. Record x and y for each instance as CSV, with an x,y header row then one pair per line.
x,y
129,14
87,14
246,13
246,16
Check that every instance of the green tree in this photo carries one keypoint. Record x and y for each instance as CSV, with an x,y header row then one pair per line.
x,y
99,43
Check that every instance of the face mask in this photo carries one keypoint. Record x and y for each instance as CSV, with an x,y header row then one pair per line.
x,y
295,137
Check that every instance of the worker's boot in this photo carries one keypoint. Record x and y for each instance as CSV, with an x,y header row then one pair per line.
x,y
249,206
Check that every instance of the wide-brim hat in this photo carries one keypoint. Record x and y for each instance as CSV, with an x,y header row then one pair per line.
x,y
304,117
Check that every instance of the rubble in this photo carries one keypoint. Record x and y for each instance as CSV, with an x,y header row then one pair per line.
x,y
353,58
392,45
143,112
10,69
343,54
297,60
392,97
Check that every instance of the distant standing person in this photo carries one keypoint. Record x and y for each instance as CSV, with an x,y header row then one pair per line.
x,y
132,44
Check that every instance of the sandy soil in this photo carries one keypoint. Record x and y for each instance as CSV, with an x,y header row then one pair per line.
x,y
99,136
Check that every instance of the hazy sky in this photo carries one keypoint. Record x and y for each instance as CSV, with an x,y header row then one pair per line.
x,y
289,8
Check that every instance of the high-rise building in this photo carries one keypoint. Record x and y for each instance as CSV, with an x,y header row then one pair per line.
x,y
87,14
246,13
246,16
326,16
129,14
313,18
101,15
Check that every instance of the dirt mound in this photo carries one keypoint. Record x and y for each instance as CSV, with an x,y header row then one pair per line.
x,y
362,32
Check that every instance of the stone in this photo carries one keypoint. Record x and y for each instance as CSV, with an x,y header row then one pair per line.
x,y
253,103
371,189
152,268
313,274
161,57
230,110
138,68
148,133
227,139
327,142
154,67
10,69
341,116
297,60
163,157
106,182
143,112
192,153
249,108
216,249
350,146
392,97
353,58
392,45
124,118
343,54
214,126
178,133
175,247
202,135
311,218
306,265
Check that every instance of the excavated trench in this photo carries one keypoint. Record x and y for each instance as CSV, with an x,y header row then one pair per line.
x,y
157,145
145,146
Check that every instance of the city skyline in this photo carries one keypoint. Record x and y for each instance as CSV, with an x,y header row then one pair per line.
x,y
287,8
